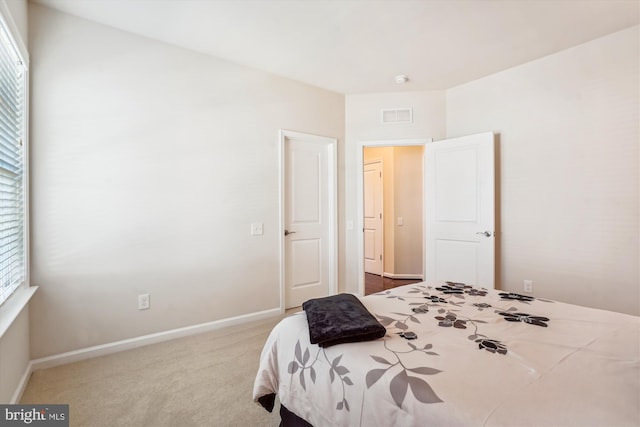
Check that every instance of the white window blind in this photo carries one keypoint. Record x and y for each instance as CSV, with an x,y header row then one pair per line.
x,y
12,133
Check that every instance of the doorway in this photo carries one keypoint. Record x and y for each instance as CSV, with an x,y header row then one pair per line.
x,y
459,228
391,191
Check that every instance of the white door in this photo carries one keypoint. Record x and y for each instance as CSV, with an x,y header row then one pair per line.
x,y
460,210
373,227
310,215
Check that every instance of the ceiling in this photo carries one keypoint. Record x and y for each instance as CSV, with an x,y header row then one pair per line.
x,y
358,46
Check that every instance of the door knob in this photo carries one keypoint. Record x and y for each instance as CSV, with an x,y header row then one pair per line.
x,y
484,233
287,232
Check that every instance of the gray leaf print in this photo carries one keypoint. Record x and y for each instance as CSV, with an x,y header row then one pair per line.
x,y
336,361
374,375
381,360
401,325
423,391
398,387
425,370
298,352
302,382
341,370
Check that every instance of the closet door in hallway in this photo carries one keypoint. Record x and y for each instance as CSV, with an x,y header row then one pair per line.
x,y
373,225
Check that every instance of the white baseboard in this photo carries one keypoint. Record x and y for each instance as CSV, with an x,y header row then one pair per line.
x,y
128,344
22,385
403,276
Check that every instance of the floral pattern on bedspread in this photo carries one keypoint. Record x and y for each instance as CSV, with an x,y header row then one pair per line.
x,y
447,317
403,377
402,381
429,329
334,369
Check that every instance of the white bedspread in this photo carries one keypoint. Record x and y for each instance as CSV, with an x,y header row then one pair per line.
x,y
480,359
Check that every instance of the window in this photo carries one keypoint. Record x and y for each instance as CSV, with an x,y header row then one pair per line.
x,y
13,78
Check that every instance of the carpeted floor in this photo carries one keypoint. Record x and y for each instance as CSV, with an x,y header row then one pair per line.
x,y
202,380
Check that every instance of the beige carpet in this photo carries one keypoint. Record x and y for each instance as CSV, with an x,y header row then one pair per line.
x,y
202,380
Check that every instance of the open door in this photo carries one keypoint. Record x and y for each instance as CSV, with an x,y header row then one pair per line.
x,y
460,211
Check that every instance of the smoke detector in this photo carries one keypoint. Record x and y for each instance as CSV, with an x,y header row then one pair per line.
x,y
401,79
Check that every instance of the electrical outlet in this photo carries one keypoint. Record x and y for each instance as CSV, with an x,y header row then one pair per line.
x,y
257,229
143,302
528,286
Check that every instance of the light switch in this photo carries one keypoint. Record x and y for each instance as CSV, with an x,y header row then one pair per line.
x,y
349,225
256,229
400,220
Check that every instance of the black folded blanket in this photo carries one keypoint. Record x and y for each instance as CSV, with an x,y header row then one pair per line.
x,y
339,319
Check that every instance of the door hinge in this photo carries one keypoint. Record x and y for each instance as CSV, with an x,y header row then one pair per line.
x,y
380,216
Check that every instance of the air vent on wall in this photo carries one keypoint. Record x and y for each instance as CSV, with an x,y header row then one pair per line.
x,y
397,115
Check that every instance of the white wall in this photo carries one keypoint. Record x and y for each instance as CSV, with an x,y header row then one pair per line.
x,y
14,356
568,141
19,14
149,163
409,204
363,124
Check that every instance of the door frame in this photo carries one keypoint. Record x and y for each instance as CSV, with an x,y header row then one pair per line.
x,y
360,197
331,145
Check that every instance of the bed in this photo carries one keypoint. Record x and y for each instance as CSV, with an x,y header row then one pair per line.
x,y
457,355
